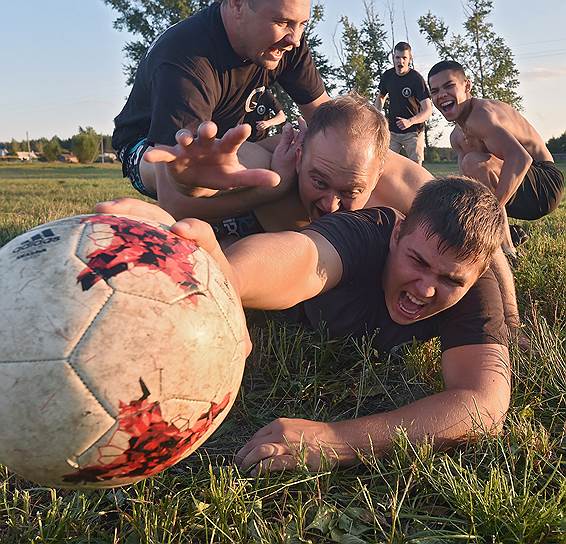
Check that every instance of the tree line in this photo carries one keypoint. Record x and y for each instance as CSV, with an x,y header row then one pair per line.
x,y
86,145
364,53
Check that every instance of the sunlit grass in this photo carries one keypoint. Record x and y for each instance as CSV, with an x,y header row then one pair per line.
x,y
507,489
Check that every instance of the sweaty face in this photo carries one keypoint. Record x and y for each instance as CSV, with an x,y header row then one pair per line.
x,y
401,61
420,281
336,175
270,28
450,93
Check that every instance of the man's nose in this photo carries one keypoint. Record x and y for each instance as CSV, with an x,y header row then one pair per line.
x,y
330,203
425,288
293,36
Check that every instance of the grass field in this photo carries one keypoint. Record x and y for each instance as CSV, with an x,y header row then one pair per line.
x,y
501,490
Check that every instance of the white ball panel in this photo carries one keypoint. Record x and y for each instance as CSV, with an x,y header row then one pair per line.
x,y
54,411
178,350
43,310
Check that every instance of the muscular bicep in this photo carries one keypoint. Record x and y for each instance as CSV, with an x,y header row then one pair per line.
x,y
497,139
279,270
485,371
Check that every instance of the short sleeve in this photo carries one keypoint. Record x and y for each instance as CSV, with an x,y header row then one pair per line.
x,y
476,319
180,99
383,84
360,238
300,78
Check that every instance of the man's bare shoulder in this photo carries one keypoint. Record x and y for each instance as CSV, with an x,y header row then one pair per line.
x,y
399,167
487,114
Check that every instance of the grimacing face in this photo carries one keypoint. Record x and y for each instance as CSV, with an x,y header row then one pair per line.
x,y
334,174
271,28
450,93
402,61
419,281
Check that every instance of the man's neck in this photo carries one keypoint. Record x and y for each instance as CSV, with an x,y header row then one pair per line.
x,y
461,121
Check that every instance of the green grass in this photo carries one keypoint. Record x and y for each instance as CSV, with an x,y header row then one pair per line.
x,y
501,490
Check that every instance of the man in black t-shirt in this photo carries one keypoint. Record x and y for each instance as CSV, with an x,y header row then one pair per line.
x,y
417,277
267,113
211,66
409,104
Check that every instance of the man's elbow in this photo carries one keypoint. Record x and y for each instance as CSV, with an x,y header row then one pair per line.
x,y
487,413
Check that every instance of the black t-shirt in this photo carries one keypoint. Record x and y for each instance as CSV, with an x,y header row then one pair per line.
x,y
267,107
191,74
356,306
405,94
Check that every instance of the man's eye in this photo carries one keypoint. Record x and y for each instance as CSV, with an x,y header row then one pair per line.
x,y
319,183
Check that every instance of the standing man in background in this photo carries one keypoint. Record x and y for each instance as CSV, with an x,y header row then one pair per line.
x,y
409,104
267,113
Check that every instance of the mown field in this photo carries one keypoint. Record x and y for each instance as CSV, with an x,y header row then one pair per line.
x,y
501,490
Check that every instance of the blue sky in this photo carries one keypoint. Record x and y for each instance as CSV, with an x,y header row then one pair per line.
x,y
62,59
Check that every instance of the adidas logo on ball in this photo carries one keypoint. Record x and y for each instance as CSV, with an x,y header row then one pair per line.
x,y
44,237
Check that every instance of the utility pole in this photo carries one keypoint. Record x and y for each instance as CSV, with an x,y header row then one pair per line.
x,y
27,138
102,148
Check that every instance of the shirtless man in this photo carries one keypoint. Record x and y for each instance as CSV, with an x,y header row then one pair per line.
x,y
497,146
341,161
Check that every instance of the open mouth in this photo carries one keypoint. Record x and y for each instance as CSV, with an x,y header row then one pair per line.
x,y
410,306
447,107
275,53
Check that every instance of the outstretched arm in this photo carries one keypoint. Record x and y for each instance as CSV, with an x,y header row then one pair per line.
x,y
475,401
222,163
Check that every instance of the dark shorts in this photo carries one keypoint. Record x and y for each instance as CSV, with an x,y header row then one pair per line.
x,y
237,227
130,156
539,194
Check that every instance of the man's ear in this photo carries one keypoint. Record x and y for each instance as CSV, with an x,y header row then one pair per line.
x,y
469,86
394,240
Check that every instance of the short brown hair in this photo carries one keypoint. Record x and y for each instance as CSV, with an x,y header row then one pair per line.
x,y
402,46
463,213
357,119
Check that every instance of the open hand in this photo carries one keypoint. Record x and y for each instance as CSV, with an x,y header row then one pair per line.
x,y
286,443
206,161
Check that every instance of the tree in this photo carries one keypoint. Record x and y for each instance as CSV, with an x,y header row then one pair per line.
x,y
86,144
14,146
147,19
488,61
326,70
52,149
364,53
557,144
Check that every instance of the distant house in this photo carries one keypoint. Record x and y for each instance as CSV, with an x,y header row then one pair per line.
x,y
3,151
68,157
26,155
107,157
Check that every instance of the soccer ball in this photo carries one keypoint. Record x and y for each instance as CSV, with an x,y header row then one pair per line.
x,y
122,348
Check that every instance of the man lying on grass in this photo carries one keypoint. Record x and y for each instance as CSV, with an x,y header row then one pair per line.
x,y
419,277
343,163
340,161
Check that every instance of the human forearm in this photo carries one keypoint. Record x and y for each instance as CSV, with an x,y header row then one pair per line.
x,y
512,174
448,417
278,119
379,102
